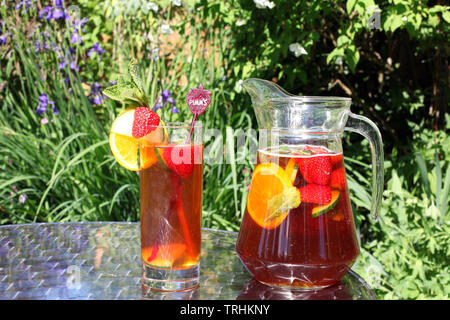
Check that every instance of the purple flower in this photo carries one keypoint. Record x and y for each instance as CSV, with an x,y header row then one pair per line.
x,y
79,24
112,82
164,99
43,103
55,111
59,4
58,14
76,38
96,49
95,88
165,95
3,39
46,12
74,66
96,97
37,46
157,106
24,4
71,52
42,106
53,12
155,56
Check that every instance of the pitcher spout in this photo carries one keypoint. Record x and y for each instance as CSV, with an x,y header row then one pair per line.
x,y
276,108
261,91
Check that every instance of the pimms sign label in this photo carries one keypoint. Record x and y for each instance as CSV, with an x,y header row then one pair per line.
x,y
198,100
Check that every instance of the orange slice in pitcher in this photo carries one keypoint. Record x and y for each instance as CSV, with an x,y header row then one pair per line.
x,y
132,153
271,195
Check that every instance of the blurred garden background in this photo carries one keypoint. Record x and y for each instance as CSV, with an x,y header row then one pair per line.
x,y
57,57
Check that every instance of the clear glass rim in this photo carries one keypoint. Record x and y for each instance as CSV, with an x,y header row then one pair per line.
x,y
319,100
179,125
283,131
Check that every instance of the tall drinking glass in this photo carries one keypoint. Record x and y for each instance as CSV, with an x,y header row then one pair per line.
x,y
171,205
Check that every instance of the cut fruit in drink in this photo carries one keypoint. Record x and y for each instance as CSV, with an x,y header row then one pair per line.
x,y
292,169
134,153
338,180
316,149
181,158
163,255
319,210
271,195
315,193
315,169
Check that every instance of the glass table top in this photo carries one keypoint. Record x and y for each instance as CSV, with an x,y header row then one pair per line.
x,y
101,261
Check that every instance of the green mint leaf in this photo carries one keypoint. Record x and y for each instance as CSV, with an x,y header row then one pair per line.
x,y
133,94
126,92
282,202
123,80
113,92
133,70
129,89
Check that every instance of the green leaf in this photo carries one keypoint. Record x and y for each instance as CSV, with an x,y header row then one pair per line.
x,y
337,52
113,92
352,57
433,20
446,16
423,172
133,70
438,179
342,40
350,6
445,193
133,94
396,186
282,202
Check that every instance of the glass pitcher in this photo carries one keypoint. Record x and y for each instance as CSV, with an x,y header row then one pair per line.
x,y
298,229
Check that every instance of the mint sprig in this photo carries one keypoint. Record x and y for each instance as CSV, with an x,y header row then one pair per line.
x,y
129,89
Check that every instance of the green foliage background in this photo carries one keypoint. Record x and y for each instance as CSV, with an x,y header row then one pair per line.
x,y
396,75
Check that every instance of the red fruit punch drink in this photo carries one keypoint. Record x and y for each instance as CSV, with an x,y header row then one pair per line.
x,y
171,206
315,245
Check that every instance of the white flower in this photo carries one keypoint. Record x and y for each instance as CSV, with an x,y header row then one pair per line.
x,y
239,85
241,22
405,19
22,198
262,4
151,6
165,29
297,49
176,2
338,61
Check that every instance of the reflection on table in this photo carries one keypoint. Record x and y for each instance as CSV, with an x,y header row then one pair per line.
x,y
101,260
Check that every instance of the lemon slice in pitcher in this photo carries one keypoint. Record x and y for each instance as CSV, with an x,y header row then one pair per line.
x,y
134,153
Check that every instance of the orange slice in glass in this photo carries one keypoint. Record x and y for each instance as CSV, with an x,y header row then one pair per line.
x,y
131,153
165,256
271,195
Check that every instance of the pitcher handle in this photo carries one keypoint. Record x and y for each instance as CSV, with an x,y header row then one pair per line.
x,y
369,130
